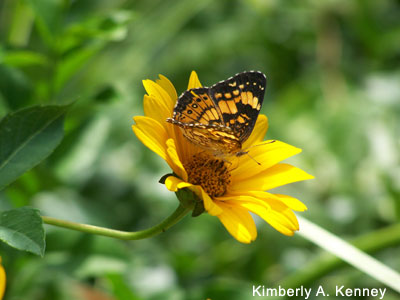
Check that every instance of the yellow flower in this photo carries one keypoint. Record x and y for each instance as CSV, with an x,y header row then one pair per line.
x,y
230,188
2,280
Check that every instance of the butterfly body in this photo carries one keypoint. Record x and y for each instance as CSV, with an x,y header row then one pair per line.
x,y
220,119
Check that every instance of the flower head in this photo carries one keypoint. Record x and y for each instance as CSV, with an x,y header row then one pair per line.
x,y
230,188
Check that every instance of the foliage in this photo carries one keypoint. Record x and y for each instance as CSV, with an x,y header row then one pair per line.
x,y
22,228
28,136
333,90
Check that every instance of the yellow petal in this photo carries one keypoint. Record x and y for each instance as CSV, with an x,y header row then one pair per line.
x,y
286,200
269,208
151,134
2,280
167,86
174,161
277,219
209,205
238,222
174,184
194,81
156,91
184,148
248,197
156,109
292,202
273,177
259,131
276,204
267,154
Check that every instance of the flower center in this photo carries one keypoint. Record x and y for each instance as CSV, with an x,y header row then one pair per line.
x,y
210,173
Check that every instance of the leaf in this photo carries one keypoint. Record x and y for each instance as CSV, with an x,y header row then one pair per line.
x,y
16,88
121,290
73,62
27,137
22,58
22,228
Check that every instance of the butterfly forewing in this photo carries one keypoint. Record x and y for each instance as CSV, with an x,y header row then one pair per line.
x,y
196,106
239,100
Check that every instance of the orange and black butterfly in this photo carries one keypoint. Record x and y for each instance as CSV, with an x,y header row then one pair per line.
x,y
220,118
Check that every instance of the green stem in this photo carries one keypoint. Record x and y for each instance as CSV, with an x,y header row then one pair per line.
x,y
326,263
177,215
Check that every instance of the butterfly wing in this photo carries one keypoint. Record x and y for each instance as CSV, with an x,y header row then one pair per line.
x,y
196,107
221,118
202,124
239,101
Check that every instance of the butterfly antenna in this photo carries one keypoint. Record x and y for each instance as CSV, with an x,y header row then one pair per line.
x,y
247,150
258,163
241,153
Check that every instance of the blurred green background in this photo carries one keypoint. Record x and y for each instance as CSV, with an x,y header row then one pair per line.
x,y
333,90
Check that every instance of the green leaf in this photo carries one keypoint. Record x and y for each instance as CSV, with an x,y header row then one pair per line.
x,y
22,228
120,288
16,88
27,137
73,62
22,58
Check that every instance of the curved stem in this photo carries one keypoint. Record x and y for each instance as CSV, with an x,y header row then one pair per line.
x,y
178,214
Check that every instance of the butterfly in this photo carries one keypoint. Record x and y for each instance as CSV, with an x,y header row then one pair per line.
x,y
220,119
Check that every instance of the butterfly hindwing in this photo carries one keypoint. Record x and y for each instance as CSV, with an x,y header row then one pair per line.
x,y
239,100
